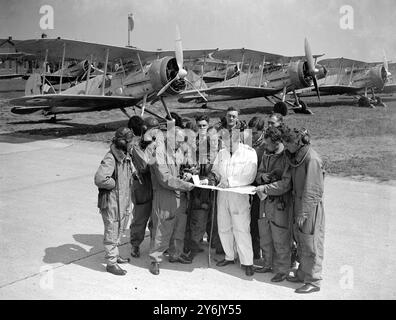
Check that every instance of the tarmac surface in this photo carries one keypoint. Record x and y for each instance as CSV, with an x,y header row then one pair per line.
x,y
51,237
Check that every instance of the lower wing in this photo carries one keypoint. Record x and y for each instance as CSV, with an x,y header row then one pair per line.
x,y
229,93
329,90
64,103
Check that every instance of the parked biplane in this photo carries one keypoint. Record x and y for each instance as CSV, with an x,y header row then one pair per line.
x,y
267,76
355,78
142,76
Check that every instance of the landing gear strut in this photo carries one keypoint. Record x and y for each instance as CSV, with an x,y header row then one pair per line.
x,y
300,106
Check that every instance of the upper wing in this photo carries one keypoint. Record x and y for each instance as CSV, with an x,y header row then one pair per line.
x,y
29,104
236,55
80,50
229,92
248,55
343,63
193,55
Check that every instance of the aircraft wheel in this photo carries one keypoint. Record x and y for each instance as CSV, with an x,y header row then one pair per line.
x,y
379,102
280,107
364,102
303,106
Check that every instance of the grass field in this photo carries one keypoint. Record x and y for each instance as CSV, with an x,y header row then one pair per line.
x,y
353,142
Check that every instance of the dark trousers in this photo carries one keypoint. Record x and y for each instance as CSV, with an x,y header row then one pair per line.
x,y
195,229
310,247
254,228
139,222
216,243
169,225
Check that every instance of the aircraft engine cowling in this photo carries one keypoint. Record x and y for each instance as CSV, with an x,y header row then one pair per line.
x,y
378,76
300,77
298,73
164,70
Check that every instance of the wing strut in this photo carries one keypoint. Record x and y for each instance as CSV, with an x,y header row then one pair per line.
x,y
284,94
248,75
105,71
143,105
88,75
45,70
243,58
350,78
225,75
124,112
63,63
262,72
123,69
140,61
203,70
165,107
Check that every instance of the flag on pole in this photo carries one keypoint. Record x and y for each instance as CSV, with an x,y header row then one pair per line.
x,y
130,22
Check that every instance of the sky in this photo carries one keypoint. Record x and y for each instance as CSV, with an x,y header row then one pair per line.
x,y
276,26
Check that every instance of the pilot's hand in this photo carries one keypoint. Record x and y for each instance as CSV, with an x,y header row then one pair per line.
x,y
187,176
260,189
223,184
266,177
300,221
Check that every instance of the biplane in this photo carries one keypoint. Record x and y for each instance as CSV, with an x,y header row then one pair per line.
x,y
267,75
355,78
139,77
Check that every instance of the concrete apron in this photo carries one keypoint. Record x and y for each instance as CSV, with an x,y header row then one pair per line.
x,y
51,237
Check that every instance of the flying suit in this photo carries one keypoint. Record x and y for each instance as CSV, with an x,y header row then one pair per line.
x,y
275,213
169,204
115,201
308,187
307,176
143,192
233,209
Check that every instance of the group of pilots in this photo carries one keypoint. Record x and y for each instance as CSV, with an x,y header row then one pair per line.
x,y
148,178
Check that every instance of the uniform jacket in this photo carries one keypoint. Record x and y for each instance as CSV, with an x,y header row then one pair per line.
x,y
307,174
279,199
165,172
142,186
110,184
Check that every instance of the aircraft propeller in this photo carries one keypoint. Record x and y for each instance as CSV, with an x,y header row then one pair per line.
x,y
182,73
311,66
386,66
